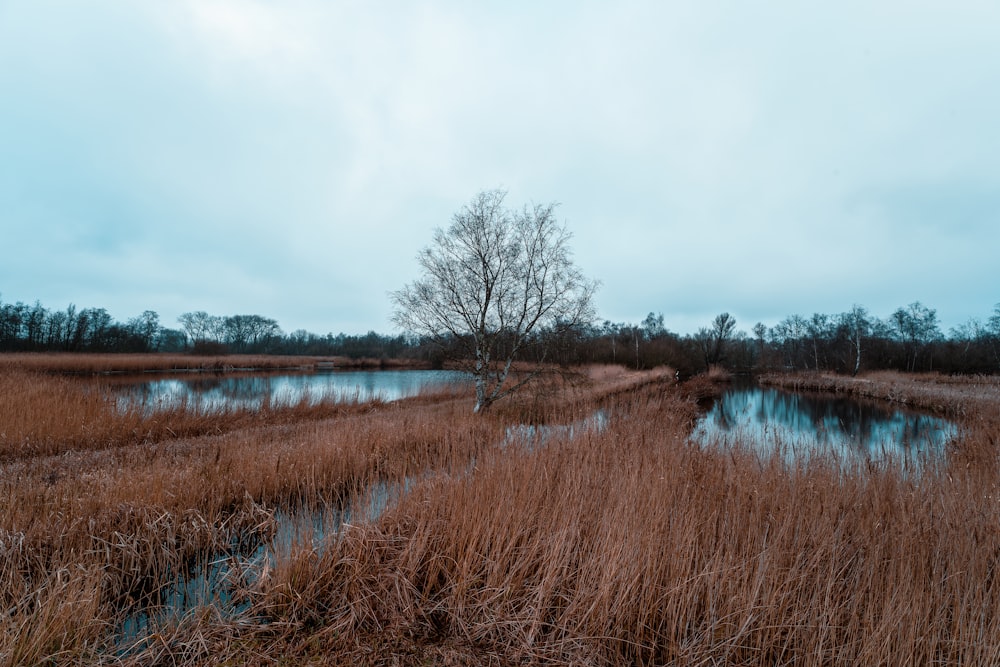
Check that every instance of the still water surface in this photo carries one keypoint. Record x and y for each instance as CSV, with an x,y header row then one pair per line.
x,y
252,390
766,418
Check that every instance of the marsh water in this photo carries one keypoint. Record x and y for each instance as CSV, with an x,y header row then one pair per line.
x,y
223,580
801,423
207,392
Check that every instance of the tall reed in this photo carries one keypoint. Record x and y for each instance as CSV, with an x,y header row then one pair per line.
x,y
42,414
632,546
113,525
75,363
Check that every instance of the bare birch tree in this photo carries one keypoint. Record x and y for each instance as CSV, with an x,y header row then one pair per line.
x,y
494,282
857,325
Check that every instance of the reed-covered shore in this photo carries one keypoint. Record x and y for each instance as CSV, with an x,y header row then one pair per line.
x,y
616,541
76,363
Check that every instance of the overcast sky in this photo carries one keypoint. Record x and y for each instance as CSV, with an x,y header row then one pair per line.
x,y
290,159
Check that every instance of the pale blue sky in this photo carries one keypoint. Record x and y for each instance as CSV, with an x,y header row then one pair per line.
x,y
289,159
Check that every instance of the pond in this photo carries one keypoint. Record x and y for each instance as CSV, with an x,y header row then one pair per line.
x,y
766,418
253,390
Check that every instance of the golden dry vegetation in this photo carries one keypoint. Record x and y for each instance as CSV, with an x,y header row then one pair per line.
x,y
104,364
614,542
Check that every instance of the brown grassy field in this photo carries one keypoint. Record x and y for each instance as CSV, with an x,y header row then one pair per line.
x,y
949,395
614,544
94,364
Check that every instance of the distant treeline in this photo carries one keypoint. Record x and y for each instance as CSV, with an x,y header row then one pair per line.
x,y
35,328
909,339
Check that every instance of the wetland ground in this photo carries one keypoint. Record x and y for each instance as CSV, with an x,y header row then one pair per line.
x,y
627,543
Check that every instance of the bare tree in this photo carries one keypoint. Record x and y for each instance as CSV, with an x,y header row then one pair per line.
x,y
792,331
713,341
994,321
493,282
819,326
652,326
146,327
760,332
200,326
992,334
857,325
915,327
246,333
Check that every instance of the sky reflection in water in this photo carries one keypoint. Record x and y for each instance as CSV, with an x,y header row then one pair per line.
x,y
765,418
214,392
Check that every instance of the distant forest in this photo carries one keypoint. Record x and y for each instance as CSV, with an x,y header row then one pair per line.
x,y
909,339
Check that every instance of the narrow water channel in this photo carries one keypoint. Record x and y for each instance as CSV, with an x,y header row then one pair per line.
x,y
219,581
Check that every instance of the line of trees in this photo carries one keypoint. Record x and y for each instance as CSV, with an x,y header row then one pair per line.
x,y
35,328
909,339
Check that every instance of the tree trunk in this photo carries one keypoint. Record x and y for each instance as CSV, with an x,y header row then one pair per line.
x,y
857,358
481,398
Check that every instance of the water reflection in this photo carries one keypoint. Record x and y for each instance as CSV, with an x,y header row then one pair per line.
x,y
225,581
254,390
766,418
531,435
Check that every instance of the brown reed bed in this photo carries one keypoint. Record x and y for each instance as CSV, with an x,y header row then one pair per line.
x,y
107,364
941,394
632,546
115,525
624,544
104,364
42,414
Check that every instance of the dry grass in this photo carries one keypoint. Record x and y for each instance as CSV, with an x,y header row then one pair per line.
x,y
81,520
43,414
94,364
626,545
955,396
632,547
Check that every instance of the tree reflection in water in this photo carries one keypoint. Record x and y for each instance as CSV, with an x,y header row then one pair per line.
x,y
253,390
766,418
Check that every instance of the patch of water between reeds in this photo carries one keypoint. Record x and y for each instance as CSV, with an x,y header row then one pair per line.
x,y
800,426
253,391
534,435
223,583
